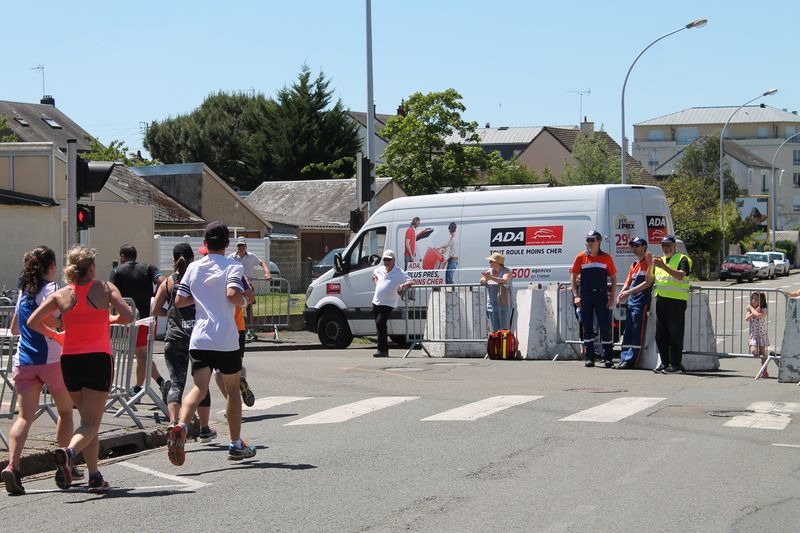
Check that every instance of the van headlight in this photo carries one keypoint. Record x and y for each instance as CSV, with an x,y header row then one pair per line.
x,y
308,291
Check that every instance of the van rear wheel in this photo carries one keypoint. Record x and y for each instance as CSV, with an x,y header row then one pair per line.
x,y
333,331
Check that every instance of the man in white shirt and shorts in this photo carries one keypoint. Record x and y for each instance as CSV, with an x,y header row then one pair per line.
x,y
214,285
390,283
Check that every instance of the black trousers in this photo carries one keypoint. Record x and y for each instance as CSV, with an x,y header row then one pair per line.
x,y
381,313
670,318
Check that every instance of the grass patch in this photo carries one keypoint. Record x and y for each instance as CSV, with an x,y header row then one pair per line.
x,y
266,304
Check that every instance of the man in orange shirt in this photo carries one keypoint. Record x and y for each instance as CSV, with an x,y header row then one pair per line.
x,y
595,267
411,242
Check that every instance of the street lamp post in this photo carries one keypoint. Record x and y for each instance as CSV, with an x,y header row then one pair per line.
x,y
773,197
699,23
721,158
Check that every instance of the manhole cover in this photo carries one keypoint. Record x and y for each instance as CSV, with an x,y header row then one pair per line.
x,y
731,413
404,369
596,390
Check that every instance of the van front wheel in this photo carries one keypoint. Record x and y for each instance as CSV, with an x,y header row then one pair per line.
x,y
333,331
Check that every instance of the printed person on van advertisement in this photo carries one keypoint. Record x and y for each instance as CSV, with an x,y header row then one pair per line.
x,y
595,267
499,299
448,251
637,291
410,244
390,283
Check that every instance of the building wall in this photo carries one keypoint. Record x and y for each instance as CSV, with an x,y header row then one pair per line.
x,y
221,203
118,224
24,228
546,151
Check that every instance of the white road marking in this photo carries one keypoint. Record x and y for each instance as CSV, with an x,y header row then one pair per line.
x,y
183,484
351,410
786,445
476,410
262,404
766,415
613,411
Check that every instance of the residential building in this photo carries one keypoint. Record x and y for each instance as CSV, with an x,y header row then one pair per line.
x,y
509,142
759,129
360,118
43,122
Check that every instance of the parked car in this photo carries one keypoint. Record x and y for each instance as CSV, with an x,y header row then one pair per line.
x,y
324,264
765,269
738,267
782,266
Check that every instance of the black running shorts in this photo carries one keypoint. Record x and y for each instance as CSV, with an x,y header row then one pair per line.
x,y
225,362
93,371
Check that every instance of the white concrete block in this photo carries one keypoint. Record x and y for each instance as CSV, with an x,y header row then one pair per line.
x,y
537,330
456,313
789,371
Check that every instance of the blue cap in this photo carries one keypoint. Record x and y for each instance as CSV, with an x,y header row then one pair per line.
x,y
669,239
638,241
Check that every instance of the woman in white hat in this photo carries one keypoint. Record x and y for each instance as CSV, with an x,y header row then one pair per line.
x,y
499,296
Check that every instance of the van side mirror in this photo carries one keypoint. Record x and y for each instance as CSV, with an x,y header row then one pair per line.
x,y
338,264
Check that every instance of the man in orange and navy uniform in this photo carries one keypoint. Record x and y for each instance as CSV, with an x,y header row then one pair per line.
x,y
595,267
637,291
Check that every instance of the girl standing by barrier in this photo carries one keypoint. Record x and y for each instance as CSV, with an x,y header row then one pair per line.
x,y
86,361
36,364
757,317
180,322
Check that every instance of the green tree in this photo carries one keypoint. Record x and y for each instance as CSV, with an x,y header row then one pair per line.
x,y
510,172
116,151
417,155
593,163
6,135
304,134
701,160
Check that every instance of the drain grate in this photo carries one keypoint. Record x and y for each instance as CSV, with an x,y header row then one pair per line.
x,y
597,390
730,413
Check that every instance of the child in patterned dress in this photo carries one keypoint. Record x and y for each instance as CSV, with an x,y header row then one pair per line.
x,y
757,317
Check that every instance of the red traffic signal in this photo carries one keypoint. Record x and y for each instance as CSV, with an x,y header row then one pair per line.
x,y
85,216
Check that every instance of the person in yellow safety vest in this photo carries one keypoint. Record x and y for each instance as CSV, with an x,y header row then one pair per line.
x,y
672,293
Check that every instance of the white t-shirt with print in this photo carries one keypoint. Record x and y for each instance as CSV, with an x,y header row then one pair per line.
x,y
387,284
207,281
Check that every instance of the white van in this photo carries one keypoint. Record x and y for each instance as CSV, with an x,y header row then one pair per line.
x,y
538,230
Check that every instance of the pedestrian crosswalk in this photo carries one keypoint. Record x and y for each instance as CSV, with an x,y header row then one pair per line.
x,y
759,415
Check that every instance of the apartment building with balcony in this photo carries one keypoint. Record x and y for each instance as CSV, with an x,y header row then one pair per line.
x,y
752,139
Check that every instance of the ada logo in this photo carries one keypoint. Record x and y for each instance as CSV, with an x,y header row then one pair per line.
x,y
656,228
527,236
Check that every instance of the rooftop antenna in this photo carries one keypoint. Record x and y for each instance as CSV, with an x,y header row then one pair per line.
x,y
41,68
580,94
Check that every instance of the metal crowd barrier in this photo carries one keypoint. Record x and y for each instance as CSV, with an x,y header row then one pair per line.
x,y
444,313
727,309
568,324
271,309
8,346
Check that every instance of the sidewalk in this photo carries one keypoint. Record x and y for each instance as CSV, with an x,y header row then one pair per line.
x,y
120,436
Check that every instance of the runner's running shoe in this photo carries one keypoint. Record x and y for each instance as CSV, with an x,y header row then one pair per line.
x,y
13,480
63,458
245,452
207,434
97,484
247,395
176,440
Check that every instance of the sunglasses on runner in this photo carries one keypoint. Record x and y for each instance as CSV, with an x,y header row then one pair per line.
x,y
590,240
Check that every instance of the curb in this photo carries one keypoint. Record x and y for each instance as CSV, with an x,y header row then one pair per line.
x,y
281,347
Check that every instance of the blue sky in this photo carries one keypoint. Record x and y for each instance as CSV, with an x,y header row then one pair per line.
x,y
112,65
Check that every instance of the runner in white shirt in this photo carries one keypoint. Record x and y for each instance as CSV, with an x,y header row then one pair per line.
x,y
214,285
390,282
249,261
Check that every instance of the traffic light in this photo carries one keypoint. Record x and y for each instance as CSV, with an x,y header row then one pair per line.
x,y
91,176
356,220
365,167
85,216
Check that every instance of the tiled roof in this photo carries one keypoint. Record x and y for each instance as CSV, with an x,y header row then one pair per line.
x,y
139,191
732,148
568,136
308,203
380,119
17,114
18,198
502,135
720,115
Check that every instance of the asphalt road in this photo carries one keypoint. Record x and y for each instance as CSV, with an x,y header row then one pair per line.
x,y
565,448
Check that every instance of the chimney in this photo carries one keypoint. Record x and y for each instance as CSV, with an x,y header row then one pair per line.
x,y
48,100
401,110
587,128
488,125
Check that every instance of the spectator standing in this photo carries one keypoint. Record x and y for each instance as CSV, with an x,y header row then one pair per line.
x,y
595,268
390,283
637,292
249,262
136,280
37,363
672,293
757,317
499,292
410,244
448,251
214,285
86,361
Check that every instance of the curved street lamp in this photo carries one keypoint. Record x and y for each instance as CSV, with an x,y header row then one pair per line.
x,y
699,23
721,157
773,199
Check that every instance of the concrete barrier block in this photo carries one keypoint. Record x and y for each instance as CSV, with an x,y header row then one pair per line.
x,y
789,371
648,357
537,331
699,336
455,313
